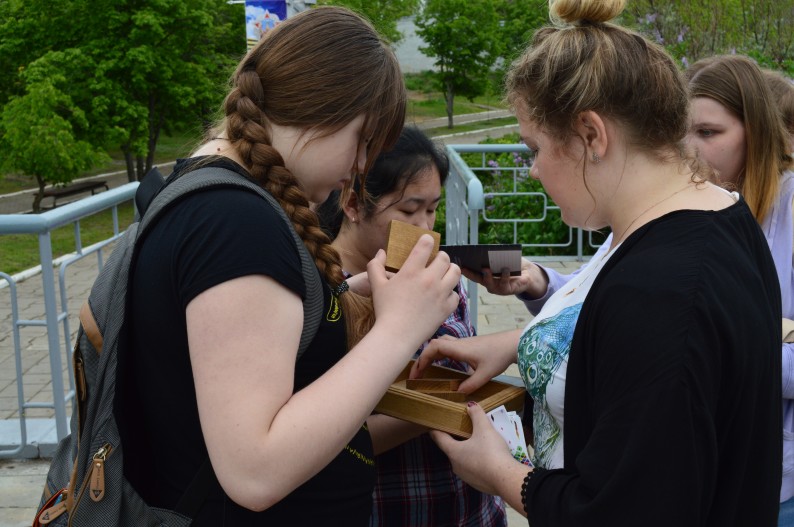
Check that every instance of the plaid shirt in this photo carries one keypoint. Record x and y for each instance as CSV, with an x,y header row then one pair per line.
x,y
415,484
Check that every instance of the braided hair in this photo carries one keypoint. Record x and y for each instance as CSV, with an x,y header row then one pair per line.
x,y
317,72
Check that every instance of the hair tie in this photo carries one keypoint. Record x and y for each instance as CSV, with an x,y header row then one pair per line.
x,y
341,288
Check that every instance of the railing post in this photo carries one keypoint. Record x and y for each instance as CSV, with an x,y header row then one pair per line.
x,y
42,225
53,338
475,202
23,429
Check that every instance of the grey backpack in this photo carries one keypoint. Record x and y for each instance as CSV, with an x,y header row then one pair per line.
x,y
85,484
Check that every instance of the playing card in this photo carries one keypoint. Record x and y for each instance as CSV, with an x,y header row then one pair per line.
x,y
521,452
509,426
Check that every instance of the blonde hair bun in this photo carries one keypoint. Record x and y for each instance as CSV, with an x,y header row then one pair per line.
x,y
565,12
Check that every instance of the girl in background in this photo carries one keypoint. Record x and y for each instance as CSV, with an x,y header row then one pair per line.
x,y
737,128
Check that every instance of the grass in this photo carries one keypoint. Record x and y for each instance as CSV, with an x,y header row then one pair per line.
x,y
425,107
168,148
426,102
14,182
21,251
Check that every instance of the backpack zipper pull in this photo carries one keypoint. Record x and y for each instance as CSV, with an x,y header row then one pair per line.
x,y
97,487
49,515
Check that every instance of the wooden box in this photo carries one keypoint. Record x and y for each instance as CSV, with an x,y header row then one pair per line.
x,y
402,238
441,414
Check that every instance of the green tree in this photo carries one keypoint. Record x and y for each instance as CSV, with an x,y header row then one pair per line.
x,y
161,66
518,20
42,131
462,36
693,29
136,68
383,14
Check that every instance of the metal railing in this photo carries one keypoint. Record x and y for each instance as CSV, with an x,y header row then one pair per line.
x,y
42,226
467,204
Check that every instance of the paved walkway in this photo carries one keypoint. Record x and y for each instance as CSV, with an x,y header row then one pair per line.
x,y
22,201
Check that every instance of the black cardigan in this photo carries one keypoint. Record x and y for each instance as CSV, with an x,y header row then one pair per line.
x,y
673,391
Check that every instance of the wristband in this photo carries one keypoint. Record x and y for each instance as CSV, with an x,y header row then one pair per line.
x,y
524,486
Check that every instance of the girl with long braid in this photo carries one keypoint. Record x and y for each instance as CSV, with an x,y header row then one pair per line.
x,y
216,311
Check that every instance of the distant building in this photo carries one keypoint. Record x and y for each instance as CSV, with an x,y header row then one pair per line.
x,y
296,6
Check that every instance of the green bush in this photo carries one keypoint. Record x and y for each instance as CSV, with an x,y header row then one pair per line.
x,y
420,82
509,173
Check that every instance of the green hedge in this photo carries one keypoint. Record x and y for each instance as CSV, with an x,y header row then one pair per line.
x,y
500,179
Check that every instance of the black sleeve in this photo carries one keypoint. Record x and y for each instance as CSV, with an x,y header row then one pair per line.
x,y
221,234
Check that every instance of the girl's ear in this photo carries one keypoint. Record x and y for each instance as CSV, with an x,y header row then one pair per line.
x,y
351,208
593,132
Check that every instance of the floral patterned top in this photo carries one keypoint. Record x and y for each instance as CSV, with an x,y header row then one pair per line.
x,y
543,360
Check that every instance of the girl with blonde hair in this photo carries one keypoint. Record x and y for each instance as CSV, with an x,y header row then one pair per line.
x,y
655,371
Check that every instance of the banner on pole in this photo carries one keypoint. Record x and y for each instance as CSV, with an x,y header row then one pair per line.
x,y
261,16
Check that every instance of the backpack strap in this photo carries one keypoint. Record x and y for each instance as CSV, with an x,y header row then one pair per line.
x,y
207,177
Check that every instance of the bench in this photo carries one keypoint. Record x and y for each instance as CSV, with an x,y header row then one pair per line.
x,y
71,190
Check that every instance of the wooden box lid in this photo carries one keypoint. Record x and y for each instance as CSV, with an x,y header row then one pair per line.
x,y
402,238
442,414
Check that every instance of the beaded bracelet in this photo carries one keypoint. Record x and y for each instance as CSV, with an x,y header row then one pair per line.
x,y
524,491
341,288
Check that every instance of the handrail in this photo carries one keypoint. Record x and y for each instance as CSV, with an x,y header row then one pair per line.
x,y
65,214
42,225
23,432
475,196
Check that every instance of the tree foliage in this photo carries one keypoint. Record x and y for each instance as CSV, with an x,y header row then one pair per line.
x,y
135,68
42,132
383,14
463,37
167,60
693,29
518,20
